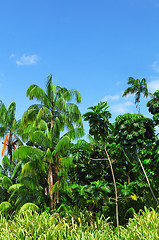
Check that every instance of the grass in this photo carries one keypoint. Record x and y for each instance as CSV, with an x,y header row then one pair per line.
x,y
31,225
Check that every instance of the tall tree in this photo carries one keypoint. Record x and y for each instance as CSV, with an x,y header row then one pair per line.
x,y
9,132
137,87
100,128
153,106
44,123
132,131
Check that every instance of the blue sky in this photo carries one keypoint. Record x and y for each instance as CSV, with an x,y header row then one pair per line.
x,y
89,45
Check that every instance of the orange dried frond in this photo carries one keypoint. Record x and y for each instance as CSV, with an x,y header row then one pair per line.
x,y
5,144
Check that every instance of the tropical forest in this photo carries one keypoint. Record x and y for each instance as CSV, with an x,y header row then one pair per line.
x,y
55,184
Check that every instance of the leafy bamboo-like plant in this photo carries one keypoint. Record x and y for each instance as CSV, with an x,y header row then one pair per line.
x,y
42,124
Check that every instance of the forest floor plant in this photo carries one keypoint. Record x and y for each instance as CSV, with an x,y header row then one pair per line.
x,y
31,225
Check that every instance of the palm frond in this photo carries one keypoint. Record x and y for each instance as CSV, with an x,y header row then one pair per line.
x,y
44,113
29,116
44,128
48,156
62,146
6,163
129,90
16,169
6,182
23,152
35,91
27,132
28,169
3,112
73,115
58,126
72,94
75,133
49,87
11,113
5,143
40,139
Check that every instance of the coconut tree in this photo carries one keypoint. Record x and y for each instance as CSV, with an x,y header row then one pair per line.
x,y
137,87
9,132
42,125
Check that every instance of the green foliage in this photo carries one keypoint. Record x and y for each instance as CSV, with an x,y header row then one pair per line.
x,y
5,207
29,206
131,130
31,225
153,106
49,170
6,182
98,120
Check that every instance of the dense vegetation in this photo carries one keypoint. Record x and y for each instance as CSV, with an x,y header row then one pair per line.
x,y
112,176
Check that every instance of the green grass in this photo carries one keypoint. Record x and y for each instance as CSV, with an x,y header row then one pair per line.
x,y
31,225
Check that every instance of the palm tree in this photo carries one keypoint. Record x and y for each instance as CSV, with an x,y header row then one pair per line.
x,y
42,124
137,87
9,131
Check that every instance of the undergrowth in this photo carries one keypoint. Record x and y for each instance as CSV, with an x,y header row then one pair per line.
x,y
29,225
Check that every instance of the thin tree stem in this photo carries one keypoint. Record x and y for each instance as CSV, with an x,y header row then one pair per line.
x,y
115,187
147,179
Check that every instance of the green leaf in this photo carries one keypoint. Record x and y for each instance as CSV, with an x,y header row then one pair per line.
x,y
6,182
14,187
62,146
5,206
29,206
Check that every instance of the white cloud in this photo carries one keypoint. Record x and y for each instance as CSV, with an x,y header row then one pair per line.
x,y
111,98
12,55
153,86
121,108
155,66
25,59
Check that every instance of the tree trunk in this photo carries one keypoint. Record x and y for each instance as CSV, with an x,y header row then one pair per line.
x,y
50,183
116,194
56,193
147,179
